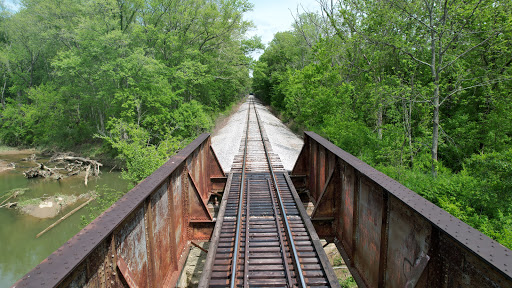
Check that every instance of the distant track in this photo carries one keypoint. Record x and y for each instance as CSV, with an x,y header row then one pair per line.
x,y
261,225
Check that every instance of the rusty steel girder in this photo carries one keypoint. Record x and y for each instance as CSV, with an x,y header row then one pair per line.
x,y
141,240
388,235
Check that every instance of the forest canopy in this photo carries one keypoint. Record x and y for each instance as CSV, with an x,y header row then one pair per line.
x,y
421,90
144,76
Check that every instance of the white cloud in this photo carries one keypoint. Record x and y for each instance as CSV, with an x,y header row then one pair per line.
x,y
272,16
12,5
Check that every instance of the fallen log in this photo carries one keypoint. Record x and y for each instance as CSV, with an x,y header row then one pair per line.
x,y
15,194
73,173
95,164
32,157
87,174
64,217
9,205
6,200
42,171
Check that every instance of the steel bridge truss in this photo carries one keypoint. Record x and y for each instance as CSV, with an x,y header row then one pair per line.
x,y
388,235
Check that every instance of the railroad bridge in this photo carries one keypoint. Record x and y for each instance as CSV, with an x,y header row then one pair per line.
x,y
262,236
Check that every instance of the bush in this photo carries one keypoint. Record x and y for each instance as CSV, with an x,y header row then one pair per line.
x,y
133,144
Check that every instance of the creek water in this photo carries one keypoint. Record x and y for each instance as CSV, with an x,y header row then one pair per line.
x,y
20,251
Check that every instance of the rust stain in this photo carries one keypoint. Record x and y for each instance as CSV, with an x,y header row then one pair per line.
x,y
161,228
131,246
424,245
367,255
89,259
409,237
348,206
127,274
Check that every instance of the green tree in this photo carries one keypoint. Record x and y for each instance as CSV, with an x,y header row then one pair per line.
x,y
439,35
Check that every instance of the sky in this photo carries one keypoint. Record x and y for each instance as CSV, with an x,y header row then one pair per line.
x,y
271,16
11,5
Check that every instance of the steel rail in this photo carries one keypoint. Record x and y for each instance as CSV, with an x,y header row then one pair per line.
x,y
240,202
281,205
281,241
247,216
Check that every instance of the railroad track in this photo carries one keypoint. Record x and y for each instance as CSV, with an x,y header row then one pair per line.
x,y
263,236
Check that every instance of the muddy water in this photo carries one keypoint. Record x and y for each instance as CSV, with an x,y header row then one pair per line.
x,y
20,251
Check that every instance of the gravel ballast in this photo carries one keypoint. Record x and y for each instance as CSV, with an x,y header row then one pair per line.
x,y
226,141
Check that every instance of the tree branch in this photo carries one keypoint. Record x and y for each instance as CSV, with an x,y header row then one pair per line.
x,y
467,51
403,51
474,86
455,36
429,27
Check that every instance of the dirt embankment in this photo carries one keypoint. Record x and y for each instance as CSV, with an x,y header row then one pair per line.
x,y
4,165
18,151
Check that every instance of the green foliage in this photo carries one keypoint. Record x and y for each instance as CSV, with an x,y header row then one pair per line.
x,y
337,261
467,195
133,144
376,78
348,282
146,76
190,120
494,172
105,198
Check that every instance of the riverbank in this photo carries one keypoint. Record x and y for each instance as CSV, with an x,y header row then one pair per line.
x,y
47,200
11,151
4,166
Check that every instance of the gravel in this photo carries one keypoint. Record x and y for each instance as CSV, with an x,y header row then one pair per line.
x,y
284,142
226,141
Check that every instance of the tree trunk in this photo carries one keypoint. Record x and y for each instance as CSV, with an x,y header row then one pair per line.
x,y
410,134
435,128
139,112
102,124
379,122
2,98
407,127
435,97
380,111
